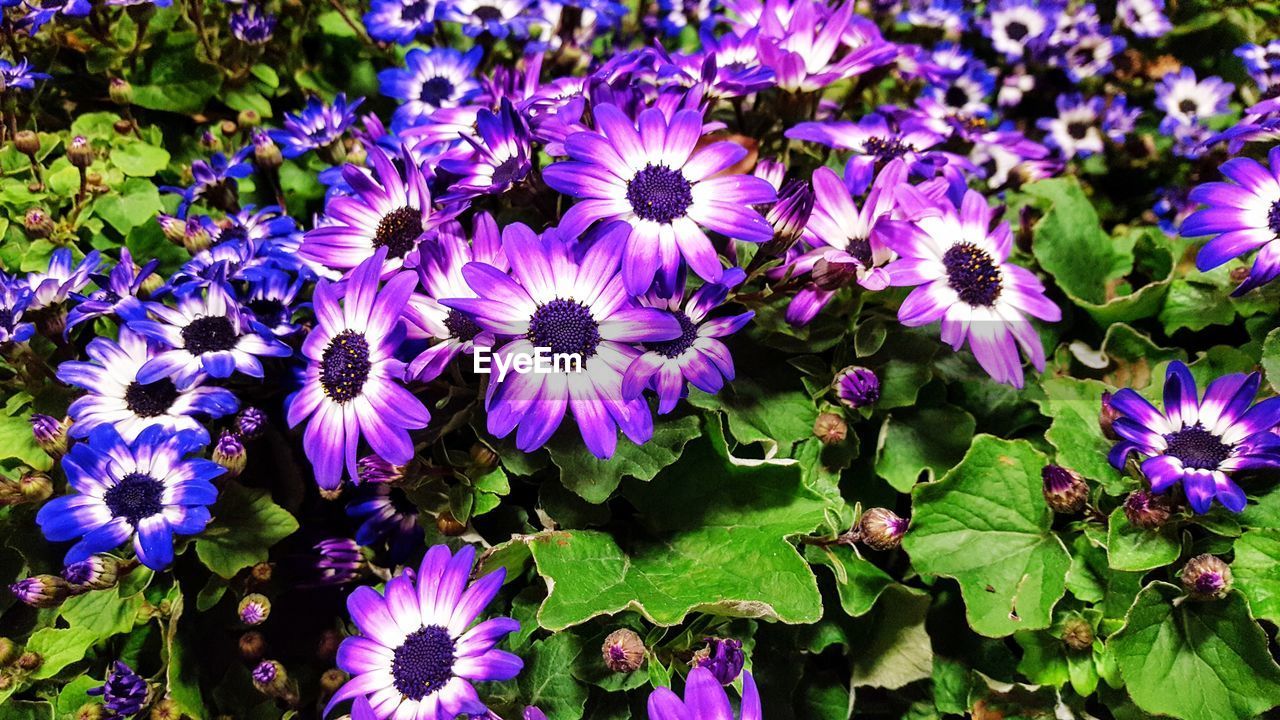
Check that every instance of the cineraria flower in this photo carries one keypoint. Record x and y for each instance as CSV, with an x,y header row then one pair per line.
x,y
802,48
1262,62
501,157
317,126
430,80
415,656
116,294
61,279
697,355
147,490
212,179
846,240
496,18
967,92
665,190
723,657
400,21
206,334
1198,442
40,12
1144,18
117,399
1077,130
389,212
1014,26
439,269
1242,215
351,385
337,561
19,75
573,303
874,143
957,263
252,25
1089,55
385,513
704,699
728,64
124,693
15,298
1187,101
270,299
949,15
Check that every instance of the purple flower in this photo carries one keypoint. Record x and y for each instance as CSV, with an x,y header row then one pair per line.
x,y
431,79
18,75
124,693
351,385
1199,442
957,264
1242,215
116,294
874,143
400,21
571,304
147,490
386,514
1077,130
729,64
1262,62
664,189
1187,101
62,279
1017,26
857,387
212,179
501,157
950,15
415,656
40,12
1144,18
724,658
317,126
704,699
811,44
252,25
337,561
495,18
15,298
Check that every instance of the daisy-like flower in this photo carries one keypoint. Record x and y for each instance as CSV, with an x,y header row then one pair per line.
x,y
1077,130
1015,26
63,278
735,60
384,512
117,293
1144,18
418,652
400,21
958,265
117,399
950,15
874,142
146,491
19,75
1188,101
697,355
213,180
252,25
705,699
270,299
496,18
807,48
15,298
664,189
390,212
1242,215
317,126
351,385
574,304
430,80
1262,63
439,269
206,334
1199,442
501,158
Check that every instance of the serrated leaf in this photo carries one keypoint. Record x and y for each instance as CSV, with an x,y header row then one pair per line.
x,y
921,439
594,480
1133,549
1256,569
246,523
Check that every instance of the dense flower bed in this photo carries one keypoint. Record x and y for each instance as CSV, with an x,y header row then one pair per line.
x,y
689,360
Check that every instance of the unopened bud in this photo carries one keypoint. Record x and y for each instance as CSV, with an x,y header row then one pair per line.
x,y
373,469
230,454
228,127
1206,577
266,154
91,711
80,152
1064,490
35,486
857,387
195,236
248,118
252,646
1146,510
29,661
1239,274
1107,415
210,142
448,525
723,657
50,434
357,154
249,422
261,573
166,709
42,591
270,678
27,142
623,651
175,228
254,609
1077,633
37,223
98,572
881,529
327,645
122,126
788,216
483,458
832,275
830,428
9,651
330,681
121,91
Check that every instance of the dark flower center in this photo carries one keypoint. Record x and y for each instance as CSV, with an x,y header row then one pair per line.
x,y
424,663
566,327
238,233
510,171
1273,218
1197,448
344,366
1188,106
956,97
135,498
673,348
415,11
209,334
152,399
1078,130
398,231
886,148
659,193
487,13
860,249
435,90
1016,31
461,326
972,274
268,311
6,318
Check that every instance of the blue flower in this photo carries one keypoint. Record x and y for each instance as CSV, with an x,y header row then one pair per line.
x,y
400,21
1188,101
430,80
270,299
501,157
252,26
15,298
496,18
19,75
386,514
704,699
212,178
116,294
1199,442
316,126
146,491
41,12
1241,215
415,656
62,278
124,693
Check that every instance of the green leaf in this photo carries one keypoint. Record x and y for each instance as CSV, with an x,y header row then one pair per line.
x,y
986,525
1071,245
858,582
777,419
175,82
103,612
1256,569
545,681
1195,660
58,648
140,159
246,523
1271,359
706,545
594,480
73,696
181,675
894,648
137,203
1073,405
916,440
1132,548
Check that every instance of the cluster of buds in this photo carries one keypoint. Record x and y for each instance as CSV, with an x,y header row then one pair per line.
x,y
32,486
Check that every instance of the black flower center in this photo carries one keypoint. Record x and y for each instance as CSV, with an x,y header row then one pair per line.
x,y
1188,106
1197,448
424,663
860,249
435,91
235,232
135,498
1078,130
344,366
213,333
659,193
956,96
268,311
6,318
566,327
886,148
398,231
1273,218
972,274
415,11
152,399
487,13
675,347
1016,31
510,171
461,326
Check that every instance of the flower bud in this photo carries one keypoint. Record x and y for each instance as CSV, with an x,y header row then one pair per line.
x,y
254,609
1206,577
121,91
91,711
42,591
37,223
228,127
788,216
230,454
623,651
373,469
833,275
122,127
327,645
270,678
1146,510
175,228
195,236
29,661
1107,415
357,154
249,422
266,154
27,142
9,651
1064,490
35,486
98,572
210,142
483,458
80,152
50,434
252,646
723,657
830,428
448,525
248,118
151,285
857,387
330,681
166,709
338,561
1077,633
261,573
881,529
